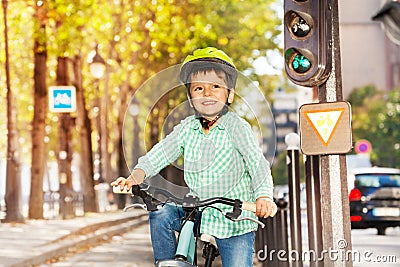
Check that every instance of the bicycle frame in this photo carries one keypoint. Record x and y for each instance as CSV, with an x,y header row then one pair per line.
x,y
185,254
186,250
186,243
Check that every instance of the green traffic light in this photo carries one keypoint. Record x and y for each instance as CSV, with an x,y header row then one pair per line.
x,y
300,63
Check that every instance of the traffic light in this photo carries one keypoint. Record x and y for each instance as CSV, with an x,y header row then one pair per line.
x,y
308,38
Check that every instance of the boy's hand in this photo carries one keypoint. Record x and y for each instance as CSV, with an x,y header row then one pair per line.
x,y
265,207
135,178
124,183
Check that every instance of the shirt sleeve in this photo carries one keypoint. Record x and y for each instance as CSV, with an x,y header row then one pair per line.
x,y
256,163
162,154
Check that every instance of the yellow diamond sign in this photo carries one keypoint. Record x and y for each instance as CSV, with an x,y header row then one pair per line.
x,y
325,128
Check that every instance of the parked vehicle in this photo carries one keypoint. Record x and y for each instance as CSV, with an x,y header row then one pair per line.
x,y
375,198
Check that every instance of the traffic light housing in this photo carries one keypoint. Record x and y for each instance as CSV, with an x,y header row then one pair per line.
x,y
308,39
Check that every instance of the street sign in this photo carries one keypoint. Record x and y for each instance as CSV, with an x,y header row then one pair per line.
x,y
325,128
363,146
62,99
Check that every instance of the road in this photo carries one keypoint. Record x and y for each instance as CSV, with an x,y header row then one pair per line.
x,y
134,249
376,250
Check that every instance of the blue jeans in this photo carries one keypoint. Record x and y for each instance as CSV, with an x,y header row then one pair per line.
x,y
236,251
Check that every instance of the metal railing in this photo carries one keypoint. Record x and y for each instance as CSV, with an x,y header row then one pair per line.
x,y
51,204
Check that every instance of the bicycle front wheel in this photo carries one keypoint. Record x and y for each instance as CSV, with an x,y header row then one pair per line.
x,y
174,263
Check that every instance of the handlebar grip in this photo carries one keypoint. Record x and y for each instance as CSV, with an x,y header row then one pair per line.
x,y
117,190
250,206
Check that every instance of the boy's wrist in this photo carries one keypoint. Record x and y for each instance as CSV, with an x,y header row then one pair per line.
x,y
137,176
267,198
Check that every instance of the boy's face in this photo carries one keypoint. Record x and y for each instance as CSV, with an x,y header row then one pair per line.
x,y
209,93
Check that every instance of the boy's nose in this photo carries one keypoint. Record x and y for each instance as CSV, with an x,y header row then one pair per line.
x,y
207,91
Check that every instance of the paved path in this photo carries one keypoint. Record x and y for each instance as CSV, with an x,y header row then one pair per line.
x,y
132,249
35,241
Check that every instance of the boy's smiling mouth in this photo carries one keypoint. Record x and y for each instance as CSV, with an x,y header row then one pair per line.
x,y
209,102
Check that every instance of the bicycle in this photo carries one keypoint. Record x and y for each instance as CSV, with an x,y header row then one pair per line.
x,y
185,255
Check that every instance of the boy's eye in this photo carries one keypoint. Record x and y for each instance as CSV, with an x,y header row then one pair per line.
x,y
198,88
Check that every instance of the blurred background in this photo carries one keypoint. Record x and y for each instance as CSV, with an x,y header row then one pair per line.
x,y
105,50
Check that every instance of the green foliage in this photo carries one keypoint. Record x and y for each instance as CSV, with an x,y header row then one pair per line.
x,y
280,169
359,95
376,117
137,39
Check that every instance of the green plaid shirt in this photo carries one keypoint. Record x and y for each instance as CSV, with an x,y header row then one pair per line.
x,y
227,162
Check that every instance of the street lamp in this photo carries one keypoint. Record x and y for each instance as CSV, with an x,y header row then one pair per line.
x,y
133,110
97,67
389,15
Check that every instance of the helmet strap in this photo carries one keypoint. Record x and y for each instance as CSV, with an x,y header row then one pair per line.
x,y
206,123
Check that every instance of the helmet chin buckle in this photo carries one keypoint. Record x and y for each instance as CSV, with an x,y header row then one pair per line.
x,y
206,123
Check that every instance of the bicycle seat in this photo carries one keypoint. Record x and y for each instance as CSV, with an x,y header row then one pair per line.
x,y
208,238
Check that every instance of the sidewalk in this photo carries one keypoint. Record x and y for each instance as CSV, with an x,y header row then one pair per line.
x,y
36,241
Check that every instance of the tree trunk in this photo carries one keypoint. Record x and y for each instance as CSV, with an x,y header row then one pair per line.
x,y
13,176
39,116
85,130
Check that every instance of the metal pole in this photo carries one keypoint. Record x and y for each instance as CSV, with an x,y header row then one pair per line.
x,y
136,149
314,220
335,203
292,141
281,232
99,158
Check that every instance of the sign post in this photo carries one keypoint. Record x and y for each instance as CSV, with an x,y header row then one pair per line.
x,y
334,189
62,100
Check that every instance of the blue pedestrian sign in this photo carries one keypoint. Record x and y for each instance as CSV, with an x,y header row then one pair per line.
x,y
62,99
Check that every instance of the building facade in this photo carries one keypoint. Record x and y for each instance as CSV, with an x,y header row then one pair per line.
x,y
367,54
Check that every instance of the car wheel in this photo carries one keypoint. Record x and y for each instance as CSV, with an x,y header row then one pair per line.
x,y
381,230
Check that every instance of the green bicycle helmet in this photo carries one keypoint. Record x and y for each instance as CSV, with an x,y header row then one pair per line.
x,y
209,52
205,59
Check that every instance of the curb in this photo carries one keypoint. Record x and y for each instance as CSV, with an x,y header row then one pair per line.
x,y
86,235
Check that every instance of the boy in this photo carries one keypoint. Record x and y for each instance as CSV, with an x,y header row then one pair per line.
x,y
221,159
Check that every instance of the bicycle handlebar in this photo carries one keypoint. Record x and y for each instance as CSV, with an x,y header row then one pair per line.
x,y
148,194
187,202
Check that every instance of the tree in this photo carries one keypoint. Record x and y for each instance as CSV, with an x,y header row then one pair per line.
x,y
40,112
13,181
84,129
376,118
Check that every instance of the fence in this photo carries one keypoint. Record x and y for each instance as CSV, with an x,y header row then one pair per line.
x,y
51,205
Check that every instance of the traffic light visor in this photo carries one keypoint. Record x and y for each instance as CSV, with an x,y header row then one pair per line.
x,y
299,24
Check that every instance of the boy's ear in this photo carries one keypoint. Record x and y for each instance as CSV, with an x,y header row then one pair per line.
x,y
231,96
190,100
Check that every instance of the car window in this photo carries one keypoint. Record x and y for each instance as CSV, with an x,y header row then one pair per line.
x,y
378,180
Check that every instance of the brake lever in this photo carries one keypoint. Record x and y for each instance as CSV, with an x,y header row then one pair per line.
x,y
251,219
135,205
